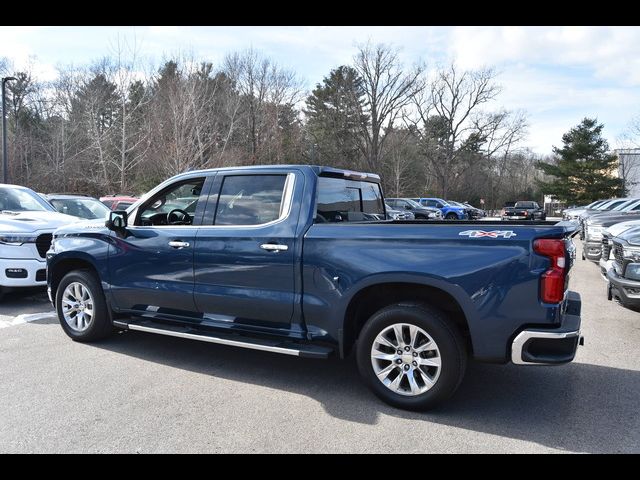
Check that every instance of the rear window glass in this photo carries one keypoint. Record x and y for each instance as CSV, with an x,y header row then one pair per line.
x,y
341,200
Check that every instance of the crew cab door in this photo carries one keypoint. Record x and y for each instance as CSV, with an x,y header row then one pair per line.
x,y
151,264
246,248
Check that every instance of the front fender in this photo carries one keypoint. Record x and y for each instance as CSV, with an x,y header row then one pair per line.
x,y
69,251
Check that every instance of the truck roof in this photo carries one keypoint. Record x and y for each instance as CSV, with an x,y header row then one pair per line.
x,y
319,170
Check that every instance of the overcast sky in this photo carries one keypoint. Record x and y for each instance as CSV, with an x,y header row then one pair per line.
x,y
558,75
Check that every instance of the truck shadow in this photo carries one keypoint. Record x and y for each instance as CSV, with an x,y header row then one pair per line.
x,y
576,407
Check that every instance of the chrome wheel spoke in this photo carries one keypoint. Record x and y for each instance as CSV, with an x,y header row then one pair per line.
x,y
395,385
383,341
397,330
429,362
415,389
384,373
413,335
426,347
385,356
77,291
425,377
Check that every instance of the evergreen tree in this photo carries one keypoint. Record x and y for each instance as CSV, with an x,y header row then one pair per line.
x,y
336,119
584,170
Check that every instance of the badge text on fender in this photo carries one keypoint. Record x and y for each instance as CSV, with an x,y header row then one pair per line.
x,y
491,234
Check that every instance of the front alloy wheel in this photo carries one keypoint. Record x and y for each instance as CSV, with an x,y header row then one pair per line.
x,y
81,306
77,306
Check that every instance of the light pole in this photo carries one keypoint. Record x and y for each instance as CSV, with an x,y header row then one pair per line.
x,y
5,173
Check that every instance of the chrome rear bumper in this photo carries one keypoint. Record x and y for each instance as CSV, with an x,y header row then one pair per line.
x,y
541,346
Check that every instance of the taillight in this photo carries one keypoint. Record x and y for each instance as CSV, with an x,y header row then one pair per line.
x,y
525,213
552,281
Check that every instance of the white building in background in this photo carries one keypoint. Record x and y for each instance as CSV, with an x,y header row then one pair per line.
x,y
629,169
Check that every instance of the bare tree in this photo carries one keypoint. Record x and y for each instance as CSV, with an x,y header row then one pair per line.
x,y
133,129
264,89
450,119
388,90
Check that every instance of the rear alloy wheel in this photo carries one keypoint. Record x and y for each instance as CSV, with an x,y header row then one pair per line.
x,y
451,216
406,359
411,356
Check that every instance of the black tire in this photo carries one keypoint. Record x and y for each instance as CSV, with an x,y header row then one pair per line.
x,y
451,216
101,325
419,216
447,337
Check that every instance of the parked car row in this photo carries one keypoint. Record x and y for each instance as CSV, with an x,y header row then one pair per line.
x,y
436,208
610,230
27,222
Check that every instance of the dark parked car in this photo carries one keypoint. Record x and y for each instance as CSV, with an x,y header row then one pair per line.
x,y
524,210
393,214
474,212
419,212
624,277
281,259
79,206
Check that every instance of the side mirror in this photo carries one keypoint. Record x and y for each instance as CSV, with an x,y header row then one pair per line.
x,y
117,220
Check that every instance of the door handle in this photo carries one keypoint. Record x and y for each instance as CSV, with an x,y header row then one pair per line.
x,y
178,244
274,247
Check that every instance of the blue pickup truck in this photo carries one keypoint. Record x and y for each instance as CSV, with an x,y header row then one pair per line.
x,y
296,260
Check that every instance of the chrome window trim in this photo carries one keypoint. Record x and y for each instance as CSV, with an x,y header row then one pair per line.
x,y
286,204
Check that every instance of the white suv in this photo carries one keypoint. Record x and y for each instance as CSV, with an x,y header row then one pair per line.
x,y
27,222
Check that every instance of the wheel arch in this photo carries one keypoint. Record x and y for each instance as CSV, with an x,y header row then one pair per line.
x,y
65,264
375,296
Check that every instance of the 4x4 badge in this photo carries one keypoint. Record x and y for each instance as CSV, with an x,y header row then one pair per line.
x,y
491,234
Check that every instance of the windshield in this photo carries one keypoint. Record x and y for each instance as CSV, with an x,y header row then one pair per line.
x,y
22,200
632,205
413,203
87,208
604,205
456,204
615,203
623,206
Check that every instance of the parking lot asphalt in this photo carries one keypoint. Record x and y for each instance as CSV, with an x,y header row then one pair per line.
x,y
137,392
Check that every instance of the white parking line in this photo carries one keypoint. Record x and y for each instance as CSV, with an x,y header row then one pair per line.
x,y
26,318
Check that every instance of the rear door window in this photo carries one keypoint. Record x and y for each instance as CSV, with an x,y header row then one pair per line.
x,y
251,199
